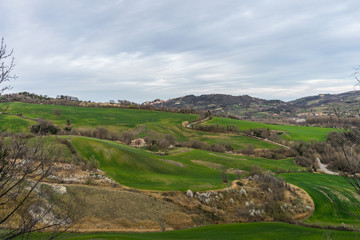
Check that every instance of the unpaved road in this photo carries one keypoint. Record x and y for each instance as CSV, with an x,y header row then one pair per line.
x,y
324,169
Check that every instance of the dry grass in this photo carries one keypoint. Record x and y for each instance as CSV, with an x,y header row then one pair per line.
x,y
209,164
113,209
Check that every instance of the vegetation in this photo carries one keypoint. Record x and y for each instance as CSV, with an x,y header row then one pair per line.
x,y
115,119
248,231
85,120
195,169
334,198
182,168
14,123
289,132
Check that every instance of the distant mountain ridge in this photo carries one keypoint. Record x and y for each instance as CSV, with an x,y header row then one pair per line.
x,y
250,107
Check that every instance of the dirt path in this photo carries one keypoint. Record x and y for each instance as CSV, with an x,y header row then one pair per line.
x,y
189,125
267,140
324,169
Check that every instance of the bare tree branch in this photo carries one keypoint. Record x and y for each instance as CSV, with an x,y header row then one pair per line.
x,y
6,66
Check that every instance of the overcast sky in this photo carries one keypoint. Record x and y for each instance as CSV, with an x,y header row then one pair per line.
x,y
145,49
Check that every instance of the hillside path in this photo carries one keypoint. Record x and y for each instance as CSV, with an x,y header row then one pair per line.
x,y
324,169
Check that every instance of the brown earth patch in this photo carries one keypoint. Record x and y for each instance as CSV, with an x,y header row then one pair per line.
x,y
208,164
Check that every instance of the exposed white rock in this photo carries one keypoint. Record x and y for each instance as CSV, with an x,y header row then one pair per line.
x,y
59,189
189,194
243,192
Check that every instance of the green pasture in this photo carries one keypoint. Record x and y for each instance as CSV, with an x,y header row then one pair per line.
x,y
178,171
333,196
185,134
245,231
115,119
141,122
291,132
15,124
236,161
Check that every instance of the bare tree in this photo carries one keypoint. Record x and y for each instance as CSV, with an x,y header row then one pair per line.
x,y
26,205
6,66
342,151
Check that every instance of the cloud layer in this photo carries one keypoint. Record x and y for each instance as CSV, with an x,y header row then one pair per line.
x,y
140,50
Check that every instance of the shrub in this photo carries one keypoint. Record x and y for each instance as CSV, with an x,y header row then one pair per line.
x,y
217,148
44,127
304,161
126,137
198,145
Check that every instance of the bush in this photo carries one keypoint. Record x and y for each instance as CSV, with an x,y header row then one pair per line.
x,y
126,137
198,145
44,127
217,148
304,161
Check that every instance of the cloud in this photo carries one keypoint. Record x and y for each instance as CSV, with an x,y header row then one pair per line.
x,y
141,50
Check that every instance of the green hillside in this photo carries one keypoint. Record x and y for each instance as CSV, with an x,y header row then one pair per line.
x,y
14,123
142,122
291,132
245,231
179,171
333,196
116,119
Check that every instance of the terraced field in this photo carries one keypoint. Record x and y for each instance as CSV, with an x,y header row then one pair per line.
x,y
291,132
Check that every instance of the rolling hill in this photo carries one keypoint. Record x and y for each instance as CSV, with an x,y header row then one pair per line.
x,y
250,107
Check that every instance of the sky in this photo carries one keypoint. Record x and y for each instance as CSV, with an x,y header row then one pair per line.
x,y
140,50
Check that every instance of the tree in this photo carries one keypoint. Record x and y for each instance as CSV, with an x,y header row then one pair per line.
x,y
6,66
57,112
25,205
343,150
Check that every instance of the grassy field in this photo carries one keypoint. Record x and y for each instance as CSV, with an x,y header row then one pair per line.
x,y
14,124
115,119
292,132
331,194
142,122
246,231
194,169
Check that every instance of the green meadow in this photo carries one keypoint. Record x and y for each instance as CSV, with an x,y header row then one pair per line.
x,y
14,123
141,122
115,119
335,199
194,169
291,132
235,231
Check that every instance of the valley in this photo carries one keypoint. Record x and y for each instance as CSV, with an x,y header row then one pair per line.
x,y
189,183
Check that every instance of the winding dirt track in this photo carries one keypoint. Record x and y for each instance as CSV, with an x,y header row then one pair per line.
x,y
324,169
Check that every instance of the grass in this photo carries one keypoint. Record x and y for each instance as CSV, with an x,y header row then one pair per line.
x,y
14,123
331,194
143,122
144,170
115,119
248,231
292,132
237,161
